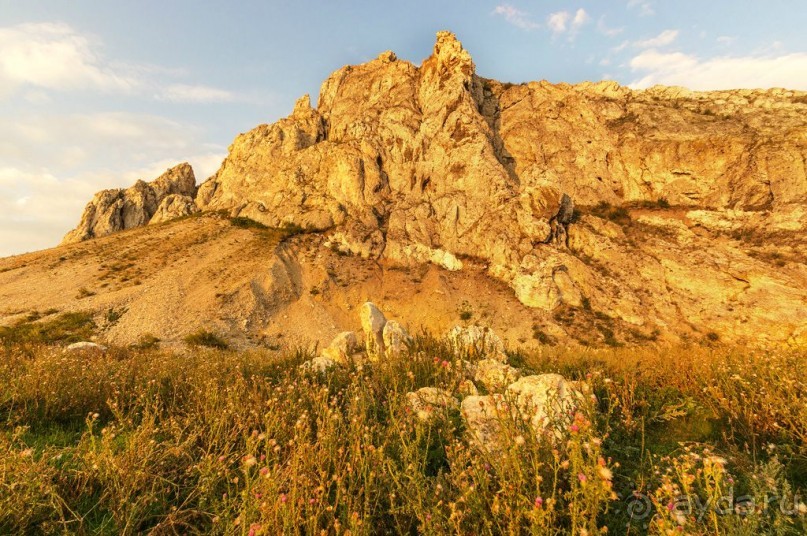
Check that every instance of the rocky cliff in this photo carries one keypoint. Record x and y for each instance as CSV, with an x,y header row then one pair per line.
x,y
170,196
653,207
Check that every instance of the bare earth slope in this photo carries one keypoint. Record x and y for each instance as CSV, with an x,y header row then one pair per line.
x,y
678,280
435,185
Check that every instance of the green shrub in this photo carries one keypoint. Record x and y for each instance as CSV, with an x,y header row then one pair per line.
x,y
247,223
207,339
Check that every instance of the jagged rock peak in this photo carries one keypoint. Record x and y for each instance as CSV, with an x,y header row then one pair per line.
x,y
119,209
449,52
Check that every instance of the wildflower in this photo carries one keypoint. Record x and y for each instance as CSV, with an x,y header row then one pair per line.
x,y
539,501
253,529
574,428
264,471
606,473
565,464
581,477
519,440
283,498
222,458
802,508
250,460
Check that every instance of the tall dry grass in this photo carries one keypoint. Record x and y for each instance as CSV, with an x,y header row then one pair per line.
x,y
221,442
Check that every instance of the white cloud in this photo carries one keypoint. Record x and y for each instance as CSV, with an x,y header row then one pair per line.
x,y
678,69
53,164
645,8
726,40
200,94
607,31
665,38
516,17
564,22
55,57
557,22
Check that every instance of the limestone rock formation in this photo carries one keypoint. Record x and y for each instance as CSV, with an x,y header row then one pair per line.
x,y
477,340
407,164
373,322
342,347
395,338
111,211
174,206
495,375
545,401
432,163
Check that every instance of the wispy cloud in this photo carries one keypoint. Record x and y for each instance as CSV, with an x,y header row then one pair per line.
x,y
516,17
563,22
604,29
52,165
665,38
48,57
676,68
54,56
645,7
189,93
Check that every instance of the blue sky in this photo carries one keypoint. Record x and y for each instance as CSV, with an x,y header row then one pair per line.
x,y
98,94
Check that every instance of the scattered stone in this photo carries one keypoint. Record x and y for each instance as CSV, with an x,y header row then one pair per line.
x,y
483,416
318,364
396,338
495,375
477,341
373,322
86,346
342,347
467,388
548,399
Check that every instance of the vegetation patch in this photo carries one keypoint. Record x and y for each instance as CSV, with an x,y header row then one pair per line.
x,y
67,328
247,223
207,339
606,211
247,442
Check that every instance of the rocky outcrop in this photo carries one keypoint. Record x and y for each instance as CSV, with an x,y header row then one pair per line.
x,y
433,163
111,211
408,164
172,207
372,323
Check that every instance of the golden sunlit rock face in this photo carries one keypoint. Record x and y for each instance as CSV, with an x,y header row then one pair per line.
x,y
662,210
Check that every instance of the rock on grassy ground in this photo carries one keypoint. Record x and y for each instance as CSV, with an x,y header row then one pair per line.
x,y
134,440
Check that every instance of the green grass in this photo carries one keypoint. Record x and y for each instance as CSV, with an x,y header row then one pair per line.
x,y
66,328
221,442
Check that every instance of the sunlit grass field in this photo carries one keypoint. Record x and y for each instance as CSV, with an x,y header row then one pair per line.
x,y
691,440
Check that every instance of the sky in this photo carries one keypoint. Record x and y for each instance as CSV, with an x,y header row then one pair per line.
x,y
97,94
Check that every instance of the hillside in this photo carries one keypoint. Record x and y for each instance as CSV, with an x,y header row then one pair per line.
x,y
590,213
